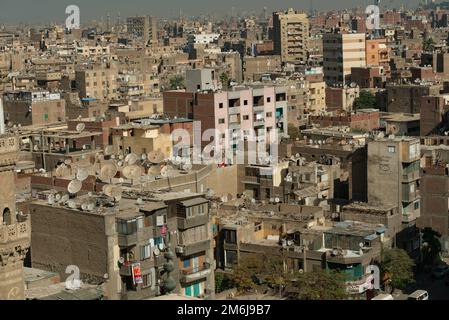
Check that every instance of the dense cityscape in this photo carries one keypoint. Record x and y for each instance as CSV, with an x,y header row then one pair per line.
x,y
267,154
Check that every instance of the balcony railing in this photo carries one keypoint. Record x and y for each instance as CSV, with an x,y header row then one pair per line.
x,y
196,273
14,232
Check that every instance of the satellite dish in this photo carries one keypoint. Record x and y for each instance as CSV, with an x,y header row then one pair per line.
x,y
67,161
58,197
156,157
161,246
139,201
277,200
72,204
187,167
64,198
82,174
131,158
90,206
156,251
109,150
84,206
51,199
80,127
132,172
143,157
154,171
120,163
112,191
121,157
74,186
108,171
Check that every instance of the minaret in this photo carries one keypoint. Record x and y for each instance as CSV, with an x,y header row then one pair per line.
x,y
14,229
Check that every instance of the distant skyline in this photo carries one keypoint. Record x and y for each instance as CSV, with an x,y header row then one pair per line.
x,y
45,11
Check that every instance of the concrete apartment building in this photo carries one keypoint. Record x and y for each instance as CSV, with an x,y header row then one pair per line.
x,y
97,81
244,108
303,239
393,179
406,98
434,199
126,246
34,107
341,98
143,27
434,117
255,67
141,139
15,229
290,36
341,52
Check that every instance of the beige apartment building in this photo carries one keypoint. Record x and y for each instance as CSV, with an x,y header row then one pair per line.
x,y
143,27
291,34
341,52
97,82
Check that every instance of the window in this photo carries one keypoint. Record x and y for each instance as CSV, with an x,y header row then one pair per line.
x,y
417,205
186,263
145,252
268,99
220,105
146,278
230,236
221,121
391,149
246,117
269,114
245,102
7,219
189,212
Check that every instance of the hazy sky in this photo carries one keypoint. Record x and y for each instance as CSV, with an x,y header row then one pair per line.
x,y
32,11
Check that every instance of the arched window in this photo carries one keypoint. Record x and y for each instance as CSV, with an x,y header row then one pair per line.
x,y
7,219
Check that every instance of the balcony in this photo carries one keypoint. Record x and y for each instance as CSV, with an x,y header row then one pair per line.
x,y
233,111
411,176
187,223
125,269
259,108
410,197
259,123
196,274
15,232
127,240
194,248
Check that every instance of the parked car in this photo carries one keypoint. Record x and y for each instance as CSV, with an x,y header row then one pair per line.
x,y
419,295
383,296
440,272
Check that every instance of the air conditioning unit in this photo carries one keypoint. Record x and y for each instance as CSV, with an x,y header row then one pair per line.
x,y
180,249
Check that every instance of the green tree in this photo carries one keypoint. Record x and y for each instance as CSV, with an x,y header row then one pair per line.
x,y
428,44
222,282
365,100
176,82
243,274
318,285
293,131
432,246
397,266
224,79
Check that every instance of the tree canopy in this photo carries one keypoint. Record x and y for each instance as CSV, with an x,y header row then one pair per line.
x,y
397,266
365,100
318,285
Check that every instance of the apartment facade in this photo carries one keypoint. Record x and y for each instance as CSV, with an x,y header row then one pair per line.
x,y
341,52
291,35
